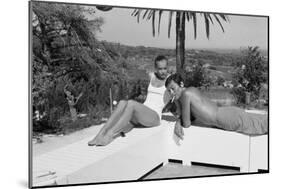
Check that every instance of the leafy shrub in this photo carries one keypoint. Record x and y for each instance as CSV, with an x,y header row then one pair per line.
x,y
196,76
239,95
220,81
250,74
70,56
139,90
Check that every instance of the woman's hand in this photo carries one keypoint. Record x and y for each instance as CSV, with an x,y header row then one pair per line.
x,y
178,130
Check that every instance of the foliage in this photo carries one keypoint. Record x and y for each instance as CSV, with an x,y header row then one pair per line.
x,y
65,51
191,16
196,76
220,80
239,95
139,90
250,74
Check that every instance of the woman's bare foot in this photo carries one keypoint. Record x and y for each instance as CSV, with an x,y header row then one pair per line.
x,y
93,141
104,138
101,140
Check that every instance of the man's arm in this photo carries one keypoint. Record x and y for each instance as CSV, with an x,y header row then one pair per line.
x,y
178,130
185,110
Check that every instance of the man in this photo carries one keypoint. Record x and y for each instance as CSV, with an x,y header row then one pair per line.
x,y
131,113
190,102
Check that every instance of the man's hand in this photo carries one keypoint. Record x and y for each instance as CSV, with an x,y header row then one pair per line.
x,y
178,130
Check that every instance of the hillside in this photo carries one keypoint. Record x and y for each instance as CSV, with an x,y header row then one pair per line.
x,y
139,59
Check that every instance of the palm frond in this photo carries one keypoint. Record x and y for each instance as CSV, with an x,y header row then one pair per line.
x,y
207,24
218,20
224,17
189,15
210,18
135,10
194,18
151,12
136,13
153,23
159,21
145,13
170,23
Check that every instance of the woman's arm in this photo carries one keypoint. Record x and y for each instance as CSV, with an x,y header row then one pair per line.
x,y
185,110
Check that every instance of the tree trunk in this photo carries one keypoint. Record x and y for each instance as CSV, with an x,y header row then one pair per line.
x,y
73,112
110,100
180,41
247,98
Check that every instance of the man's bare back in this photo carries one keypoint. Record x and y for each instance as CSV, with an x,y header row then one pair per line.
x,y
200,107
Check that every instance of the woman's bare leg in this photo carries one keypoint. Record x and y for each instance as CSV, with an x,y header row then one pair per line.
x,y
115,115
135,112
139,114
112,119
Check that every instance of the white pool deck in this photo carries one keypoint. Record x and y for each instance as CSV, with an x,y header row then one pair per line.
x,y
131,157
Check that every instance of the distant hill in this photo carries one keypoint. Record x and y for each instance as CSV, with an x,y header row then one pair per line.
x,y
140,59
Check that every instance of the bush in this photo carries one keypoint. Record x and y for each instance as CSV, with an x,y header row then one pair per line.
x,y
139,90
250,74
220,81
49,122
239,95
196,76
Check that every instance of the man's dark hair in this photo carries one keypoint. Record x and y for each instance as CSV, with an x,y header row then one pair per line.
x,y
159,58
174,77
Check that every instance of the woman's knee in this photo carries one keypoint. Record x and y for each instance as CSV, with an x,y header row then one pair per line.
x,y
122,102
131,103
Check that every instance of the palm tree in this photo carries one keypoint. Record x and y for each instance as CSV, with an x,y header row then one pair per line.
x,y
181,18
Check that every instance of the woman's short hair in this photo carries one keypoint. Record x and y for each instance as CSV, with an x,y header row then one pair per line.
x,y
174,77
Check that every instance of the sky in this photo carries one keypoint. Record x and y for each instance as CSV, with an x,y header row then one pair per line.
x,y
242,31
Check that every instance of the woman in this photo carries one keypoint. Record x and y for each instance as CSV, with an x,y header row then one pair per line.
x,y
190,102
131,113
